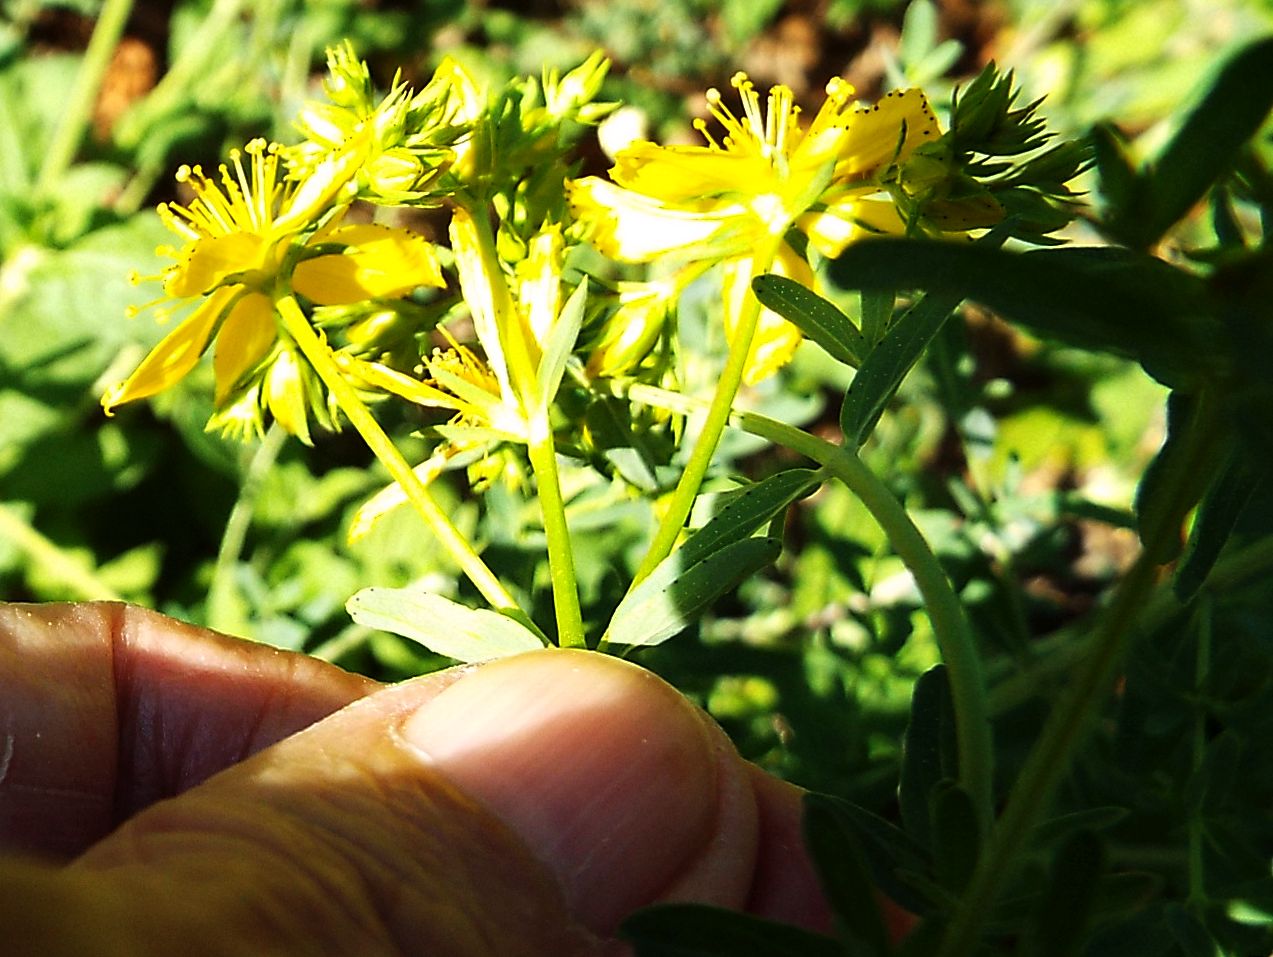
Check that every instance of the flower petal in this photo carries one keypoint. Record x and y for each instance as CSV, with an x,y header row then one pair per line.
x,y
849,220
677,174
175,355
207,263
635,228
380,263
245,337
875,133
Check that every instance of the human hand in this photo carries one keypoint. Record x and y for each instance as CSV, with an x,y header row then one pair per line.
x,y
524,806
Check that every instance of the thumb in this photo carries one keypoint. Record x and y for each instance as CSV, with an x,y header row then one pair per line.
x,y
525,807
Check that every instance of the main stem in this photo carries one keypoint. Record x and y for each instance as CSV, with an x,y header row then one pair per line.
x,y
950,625
319,357
540,445
718,413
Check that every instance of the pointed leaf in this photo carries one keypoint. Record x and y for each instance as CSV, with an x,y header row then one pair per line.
x,y
441,625
817,318
956,835
1233,105
1217,515
846,879
697,930
1098,298
560,343
747,509
676,593
890,852
884,369
927,751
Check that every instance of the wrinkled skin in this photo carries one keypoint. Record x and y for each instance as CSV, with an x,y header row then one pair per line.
x,y
164,789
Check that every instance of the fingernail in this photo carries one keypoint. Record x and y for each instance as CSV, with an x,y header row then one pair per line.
x,y
604,771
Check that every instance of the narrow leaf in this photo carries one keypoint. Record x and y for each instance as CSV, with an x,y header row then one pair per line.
x,y
1097,298
676,593
560,343
930,727
817,318
1217,515
956,835
441,625
846,879
1234,104
746,510
1065,907
884,369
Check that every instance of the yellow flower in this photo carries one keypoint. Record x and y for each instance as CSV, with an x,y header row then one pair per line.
x,y
765,175
242,236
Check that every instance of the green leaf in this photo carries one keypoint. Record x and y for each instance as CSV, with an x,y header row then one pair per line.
x,y
1097,298
956,835
884,369
846,878
1233,105
890,852
1064,908
1217,515
696,930
818,319
441,625
560,344
678,591
711,562
1089,819
745,510
927,751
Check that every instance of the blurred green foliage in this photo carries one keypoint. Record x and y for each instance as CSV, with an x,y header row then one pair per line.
x,y
1017,448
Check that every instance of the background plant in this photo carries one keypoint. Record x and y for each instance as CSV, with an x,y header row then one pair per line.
x,y
1016,448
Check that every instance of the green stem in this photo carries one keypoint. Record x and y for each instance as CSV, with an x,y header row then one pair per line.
x,y
222,614
461,550
950,624
540,445
79,109
561,563
718,413
1197,827
1049,759
52,560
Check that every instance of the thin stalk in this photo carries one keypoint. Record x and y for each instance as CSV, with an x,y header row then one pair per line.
x,y
222,616
52,560
540,444
461,550
88,81
1197,828
950,624
561,562
1049,759
718,413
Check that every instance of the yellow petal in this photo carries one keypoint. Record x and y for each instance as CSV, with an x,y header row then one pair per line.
x,y
875,133
677,174
380,263
208,262
849,220
175,355
776,339
244,339
539,284
635,228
